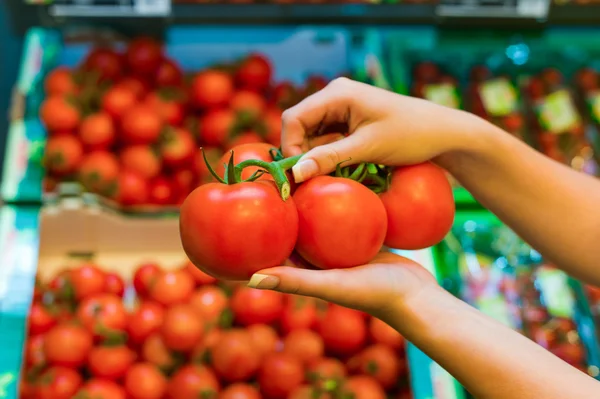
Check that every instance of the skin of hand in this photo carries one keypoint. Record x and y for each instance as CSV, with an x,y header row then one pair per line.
x,y
525,189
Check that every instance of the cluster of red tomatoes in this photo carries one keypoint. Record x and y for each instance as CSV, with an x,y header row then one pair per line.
x,y
180,334
128,125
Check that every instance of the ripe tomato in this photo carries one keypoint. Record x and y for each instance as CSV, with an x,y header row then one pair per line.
x,y
177,147
252,306
298,313
34,351
230,212
145,321
114,284
87,280
380,362
381,333
246,137
184,181
250,103
363,387
105,62
110,362
63,154
142,160
156,352
314,84
172,112
234,357
309,392
285,95
198,275
67,345
101,389
341,222
60,82
138,85
141,125
40,319
58,383
144,56
211,89
264,337
145,381
279,375
272,121
419,206
216,126
182,328
212,155
162,191
132,189
305,345
209,302
240,391
144,277
168,74
172,287
426,71
192,382
118,100
98,171
103,314
97,131
324,370
245,152
200,353
59,114
343,332
255,72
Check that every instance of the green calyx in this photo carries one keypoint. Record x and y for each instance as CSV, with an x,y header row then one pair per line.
x,y
375,177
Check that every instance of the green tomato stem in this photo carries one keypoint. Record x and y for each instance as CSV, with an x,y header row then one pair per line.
x,y
276,169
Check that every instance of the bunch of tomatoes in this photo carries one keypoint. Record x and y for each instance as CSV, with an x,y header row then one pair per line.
x,y
178,333
128,124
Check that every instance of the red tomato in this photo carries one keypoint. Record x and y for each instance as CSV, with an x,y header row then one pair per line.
x,y
60,82
381,333
162,191
156,352
252,306
331,212
145,381
210,302
426,71
201,352
184,181
172,112
144,277
182,328
177,147
587,79
172,287
103,314
144,56
59,114
343,332
272,121
132,189
99,171
136,84
34,351
248,102
305,345
246,137
314,84
40,319
264,337
63,154
211,89
230,212
87,280
97,131
298,313
419,206
234,357
67,345
216,126
115,284
142,160
255,72
326,369
141,125
212,155
145,321
118,100
105,62
380,362
285,95
309,392
168,74
244,152
58,383
240,391
363,387
193,382
279,375
111,362
101,389
198,275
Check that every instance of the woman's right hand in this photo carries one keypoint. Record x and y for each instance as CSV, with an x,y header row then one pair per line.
x,y
384,128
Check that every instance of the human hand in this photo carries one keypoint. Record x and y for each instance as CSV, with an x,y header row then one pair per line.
x,y
382,288
384,128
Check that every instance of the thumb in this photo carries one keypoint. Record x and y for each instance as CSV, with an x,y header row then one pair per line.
x,y
323,159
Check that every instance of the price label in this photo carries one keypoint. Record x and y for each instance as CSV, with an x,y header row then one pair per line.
x,y
499,97
442,94
594,103
557,112
556,293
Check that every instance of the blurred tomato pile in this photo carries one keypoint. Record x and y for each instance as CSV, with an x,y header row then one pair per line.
x,y
180,334
128,125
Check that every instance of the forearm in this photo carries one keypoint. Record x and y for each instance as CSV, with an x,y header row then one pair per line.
x,y
489,359
552,207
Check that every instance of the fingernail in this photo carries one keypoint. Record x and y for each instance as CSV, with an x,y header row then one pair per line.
x,y
304,170
263,281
